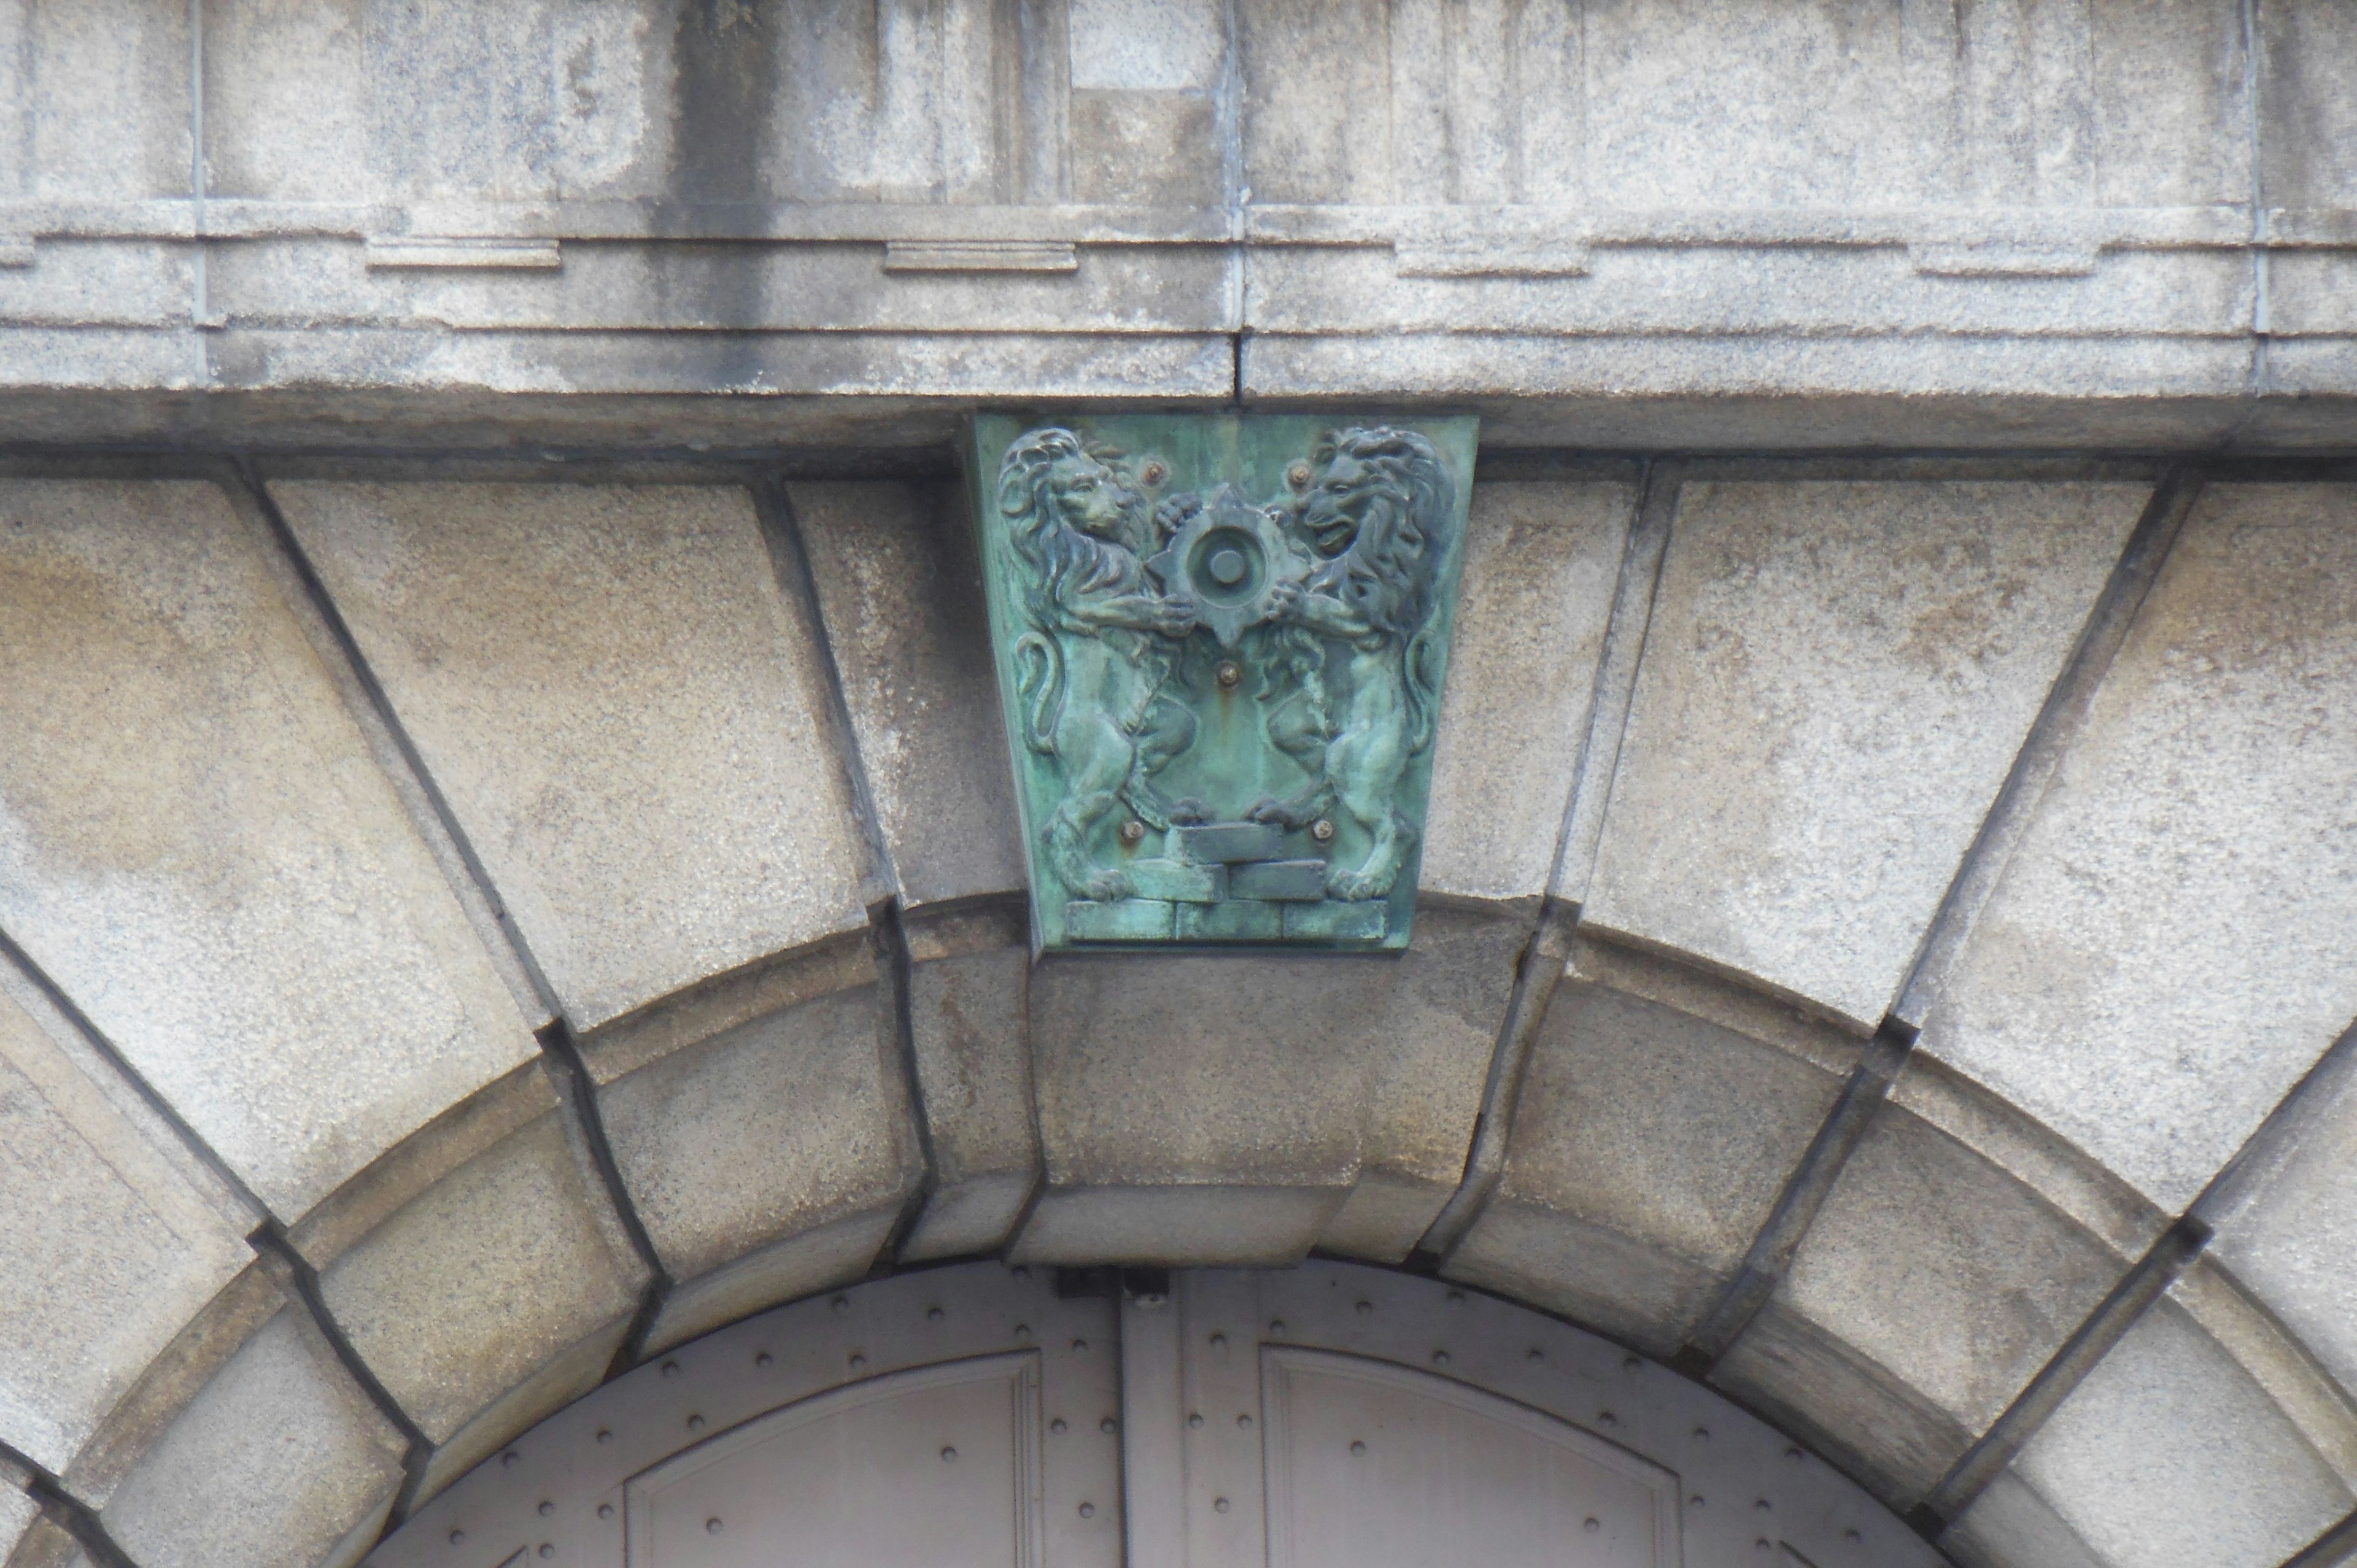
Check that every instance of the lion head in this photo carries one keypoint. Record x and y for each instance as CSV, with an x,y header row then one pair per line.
x,y
1072,517
1376,514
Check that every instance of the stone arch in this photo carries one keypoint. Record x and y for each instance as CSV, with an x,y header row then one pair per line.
x,y
389,986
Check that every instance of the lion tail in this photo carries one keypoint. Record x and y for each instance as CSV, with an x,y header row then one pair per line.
x,y
1423,690
1039,689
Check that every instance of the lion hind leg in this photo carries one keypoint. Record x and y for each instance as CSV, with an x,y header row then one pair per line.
x,y
1394,836
1067,837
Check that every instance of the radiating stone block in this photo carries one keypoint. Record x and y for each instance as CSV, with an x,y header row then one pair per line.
x,y
18,1512
1845,1406
2178,911
622,704
1837,677
2288,1225
1314,1100
472,1262
1542,561
900,590
2169,1455
218,872
794,1124
1932,1288
1660,1114
280,1461
969,979
107,1243
2011,1524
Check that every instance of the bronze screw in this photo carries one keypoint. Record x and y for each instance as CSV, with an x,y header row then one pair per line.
x,y
1322,831
1297,476
1132,830
1230,674
1154,473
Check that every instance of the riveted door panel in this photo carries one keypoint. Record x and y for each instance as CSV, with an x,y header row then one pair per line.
x,y
1335,1414
1370,1465
937,1467
815,1433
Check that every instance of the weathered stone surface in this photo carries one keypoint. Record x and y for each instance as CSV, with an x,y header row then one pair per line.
x,y
1845,1406
622,707
18,1512
969,977
900,589
99,103
1935,1285
2308,51
2319,1408
1837,677
795,1121
107,1246
1438,1033
2179,912
2012,1525
219,874
44,1545
506,1261
2289,1227
1660,1114
1226,1108
2168,1454
2062,1175
280,1461
1541,563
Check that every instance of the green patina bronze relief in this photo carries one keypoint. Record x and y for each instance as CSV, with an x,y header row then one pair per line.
x,y
1220,642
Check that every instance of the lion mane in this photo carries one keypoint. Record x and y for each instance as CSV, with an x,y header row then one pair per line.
x,y
1066,563
1387,568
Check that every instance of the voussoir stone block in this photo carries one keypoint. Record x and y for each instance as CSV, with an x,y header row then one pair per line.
x,y
1837,677
1931,1287
770,1159
2169,1455
2175,939
107,1244
198,846
47,1544
2287,1226
625,709
1540,564
1660,1114
279,1461
899,585
18,1512
2009,1525
478,1270
1204,1107
969,981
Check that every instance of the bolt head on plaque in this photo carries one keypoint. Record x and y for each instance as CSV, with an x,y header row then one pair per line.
x,y
1220,667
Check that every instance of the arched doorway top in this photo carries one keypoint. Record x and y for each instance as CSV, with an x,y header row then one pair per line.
x,y
1325,1414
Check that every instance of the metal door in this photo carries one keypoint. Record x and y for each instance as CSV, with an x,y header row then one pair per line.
x,y
1325,1416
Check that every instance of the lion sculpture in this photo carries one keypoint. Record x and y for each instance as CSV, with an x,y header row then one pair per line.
x,y
1089,672
1373,519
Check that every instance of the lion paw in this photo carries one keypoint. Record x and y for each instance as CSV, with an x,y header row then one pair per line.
x,y
1355,886
1269,809
1105,887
